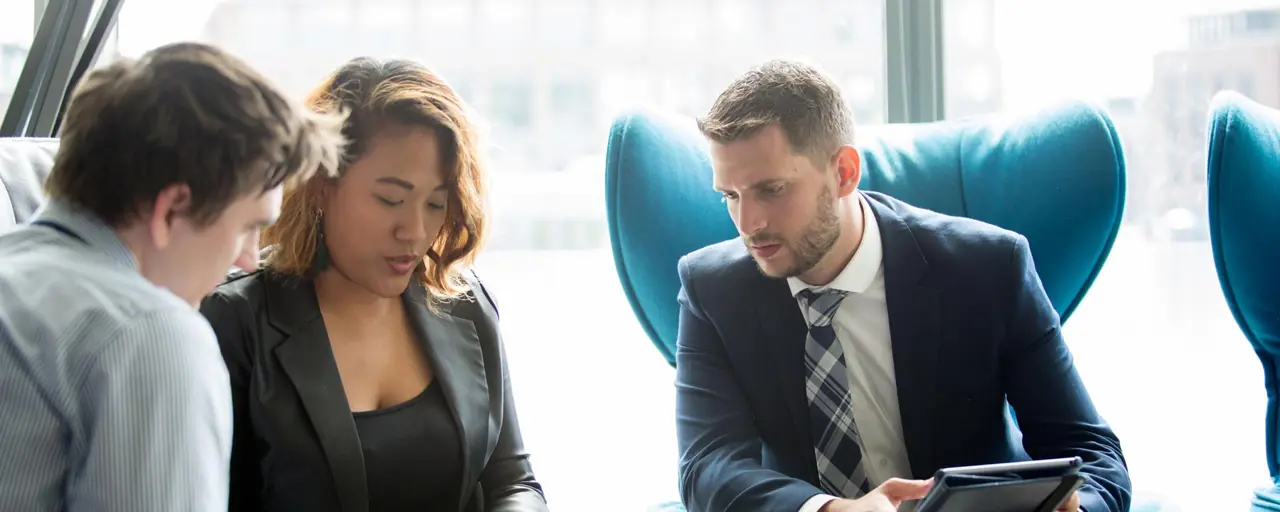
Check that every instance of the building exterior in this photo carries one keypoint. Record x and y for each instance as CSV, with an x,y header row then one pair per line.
x,y
1237,51
971,66
549,76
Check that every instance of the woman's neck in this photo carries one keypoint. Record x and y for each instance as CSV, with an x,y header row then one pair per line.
x,y
341,296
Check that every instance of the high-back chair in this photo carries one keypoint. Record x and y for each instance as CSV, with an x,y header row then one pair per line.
x,y
1244,229
24,165
1056,176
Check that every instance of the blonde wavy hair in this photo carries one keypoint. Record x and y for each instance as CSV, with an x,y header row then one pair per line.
x,y
376,95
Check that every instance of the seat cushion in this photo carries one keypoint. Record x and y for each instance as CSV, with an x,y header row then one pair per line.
x,y
1244,229
24,165
1056,176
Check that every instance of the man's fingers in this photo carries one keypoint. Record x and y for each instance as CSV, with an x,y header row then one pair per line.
x,y
899,490
1072,504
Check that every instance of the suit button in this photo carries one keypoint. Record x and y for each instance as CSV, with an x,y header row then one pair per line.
x,y
884,463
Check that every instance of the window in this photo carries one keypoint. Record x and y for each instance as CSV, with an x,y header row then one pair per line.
x,y
623,23
446,24
681,21
383,27
1154,340
546,116
17,29
564,24
511,103
505,23
736,21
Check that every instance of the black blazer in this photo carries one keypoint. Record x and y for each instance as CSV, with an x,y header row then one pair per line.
x,y
295,445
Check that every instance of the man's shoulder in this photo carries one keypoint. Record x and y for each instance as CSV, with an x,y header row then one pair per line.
x,y
70,312
68,286
728,259
944,238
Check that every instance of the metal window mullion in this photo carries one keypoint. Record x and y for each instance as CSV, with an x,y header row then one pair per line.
x,y
914,91
89,51
68,49
54,50
40,5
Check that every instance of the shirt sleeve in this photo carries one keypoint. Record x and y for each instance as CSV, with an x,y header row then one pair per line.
x,y
816,503
155,412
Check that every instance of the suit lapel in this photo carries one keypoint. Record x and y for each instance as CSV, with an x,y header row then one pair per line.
x,y
915,331
783,332
453,347
308,360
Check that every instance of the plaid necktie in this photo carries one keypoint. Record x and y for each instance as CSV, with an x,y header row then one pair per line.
x,y
836,440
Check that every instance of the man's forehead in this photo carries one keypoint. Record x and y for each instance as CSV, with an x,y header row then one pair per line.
x,y
752,173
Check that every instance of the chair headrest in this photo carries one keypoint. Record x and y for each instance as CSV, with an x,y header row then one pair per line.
x,y
1244,223
24,165
1057,176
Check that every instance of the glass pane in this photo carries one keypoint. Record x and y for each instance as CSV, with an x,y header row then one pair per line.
x,y
17,28
548,78
1154,340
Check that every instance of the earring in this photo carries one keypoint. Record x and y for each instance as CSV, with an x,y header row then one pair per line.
x,y
320,261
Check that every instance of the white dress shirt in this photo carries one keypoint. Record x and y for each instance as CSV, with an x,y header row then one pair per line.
x,y
862,326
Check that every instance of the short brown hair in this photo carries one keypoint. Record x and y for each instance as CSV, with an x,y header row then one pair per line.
x,y
183,113
801,99
379,95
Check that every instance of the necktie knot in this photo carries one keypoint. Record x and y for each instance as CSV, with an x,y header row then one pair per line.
x,y
820,306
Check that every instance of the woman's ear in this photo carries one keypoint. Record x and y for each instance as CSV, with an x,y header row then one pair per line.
x,y
328,190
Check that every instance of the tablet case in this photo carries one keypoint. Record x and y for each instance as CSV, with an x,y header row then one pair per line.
x,y
1038,486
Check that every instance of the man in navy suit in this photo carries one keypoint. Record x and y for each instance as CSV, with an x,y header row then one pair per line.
x,y
848,342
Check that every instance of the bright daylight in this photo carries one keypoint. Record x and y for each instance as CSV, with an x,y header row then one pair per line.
x,y
599,180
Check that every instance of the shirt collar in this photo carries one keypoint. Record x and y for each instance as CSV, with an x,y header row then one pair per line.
x,y
99,236
862,269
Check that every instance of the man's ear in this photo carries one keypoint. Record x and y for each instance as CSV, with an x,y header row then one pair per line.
x,y
171,203
848,169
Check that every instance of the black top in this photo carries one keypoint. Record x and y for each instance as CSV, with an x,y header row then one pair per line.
x,y
412,454
296,445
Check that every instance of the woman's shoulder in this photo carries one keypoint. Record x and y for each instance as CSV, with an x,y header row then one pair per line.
x,y
241,285
474,302
246,290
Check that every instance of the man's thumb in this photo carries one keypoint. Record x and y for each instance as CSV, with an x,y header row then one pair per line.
x,y
899,490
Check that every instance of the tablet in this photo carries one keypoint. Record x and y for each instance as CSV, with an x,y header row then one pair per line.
x,y
1034,486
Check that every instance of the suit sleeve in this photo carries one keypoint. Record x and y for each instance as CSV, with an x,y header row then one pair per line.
x,y
1053,408
507,479
720,465
228,326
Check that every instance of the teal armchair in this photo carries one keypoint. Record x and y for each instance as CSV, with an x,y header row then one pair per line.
x,y
1244,229
1056,176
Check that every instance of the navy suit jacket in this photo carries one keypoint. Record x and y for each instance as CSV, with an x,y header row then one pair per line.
x,y
971,327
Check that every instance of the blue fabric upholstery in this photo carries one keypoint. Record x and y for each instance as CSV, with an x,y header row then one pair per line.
x,y
1244,228
1056,176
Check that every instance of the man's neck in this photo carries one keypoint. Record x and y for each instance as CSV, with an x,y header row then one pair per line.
x,y
846,246
136,238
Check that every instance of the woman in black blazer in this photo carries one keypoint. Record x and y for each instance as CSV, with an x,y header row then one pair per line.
x,y
366,366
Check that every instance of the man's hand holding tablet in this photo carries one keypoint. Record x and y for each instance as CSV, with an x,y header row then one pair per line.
x,y
885,498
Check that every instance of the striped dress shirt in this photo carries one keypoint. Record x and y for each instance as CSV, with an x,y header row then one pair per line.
x,y
113,394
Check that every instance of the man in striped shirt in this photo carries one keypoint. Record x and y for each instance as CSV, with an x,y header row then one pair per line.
x,y
113,395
